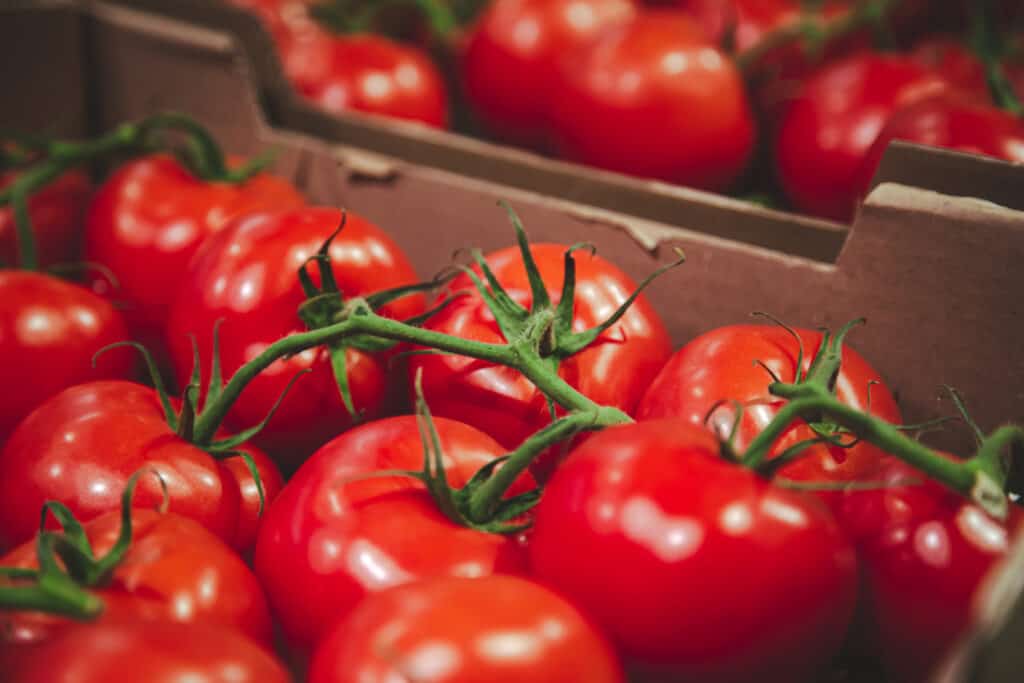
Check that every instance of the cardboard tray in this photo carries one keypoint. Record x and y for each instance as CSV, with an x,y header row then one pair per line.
x,y
939,277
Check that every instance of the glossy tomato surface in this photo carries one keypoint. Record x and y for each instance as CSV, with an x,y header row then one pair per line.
x,y
614,370
49,332
339,531
246,277
149,217
924,552
155,652
719,366
513,53
697,569
656,98
174,570
826,131
499,629
81,446
56,212
367,73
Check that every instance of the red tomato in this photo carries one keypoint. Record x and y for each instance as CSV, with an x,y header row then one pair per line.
x,y
696,568
367,73
656,98
174,570
246,276
719,366
283,18
512,55
952,121
613,371
499,629
149,217
81,446
56,212
825,133
333,535
924,553
155,652
49,331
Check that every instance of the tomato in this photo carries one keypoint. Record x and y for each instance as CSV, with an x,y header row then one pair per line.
x,y
925,552
246,276
455,630
333,535
49,331
174,570
826,131
149,217
696,568
615,370
367,73
283,19
155,652
56,212
81,446
719,366
512,54
952,121
655,98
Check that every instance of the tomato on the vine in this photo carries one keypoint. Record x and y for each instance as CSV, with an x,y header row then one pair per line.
x,y
246,277
81,446
499,629
149,217
697,569
614,370
345,526
56,212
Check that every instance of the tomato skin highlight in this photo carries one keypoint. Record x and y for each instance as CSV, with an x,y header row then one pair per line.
x,y
81,446
697,569
655,98
155,652
56,212
509,65
719,366
826,131
245,276
614,371
463,624
49,332
175,570
148,219
336,533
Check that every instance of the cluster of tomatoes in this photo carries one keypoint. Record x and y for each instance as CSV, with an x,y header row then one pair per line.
x,y
571,501
749,96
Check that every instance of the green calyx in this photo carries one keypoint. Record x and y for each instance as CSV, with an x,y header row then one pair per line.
x,y
360,16
988,44
197,151
61,587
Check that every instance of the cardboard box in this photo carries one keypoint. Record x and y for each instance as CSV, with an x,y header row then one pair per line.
x,y
938,276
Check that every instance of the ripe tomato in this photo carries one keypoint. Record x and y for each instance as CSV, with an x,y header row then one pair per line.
x,y
924,552
49,331
511,58
56,212
697,569
155,652
246,276
333,535
81,446
174,570
952,121
367,73
499,629
719,366
826,131
656,98
613,371
149,217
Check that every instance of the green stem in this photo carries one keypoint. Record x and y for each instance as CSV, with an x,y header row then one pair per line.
x,y
53,594
987,44
486,498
